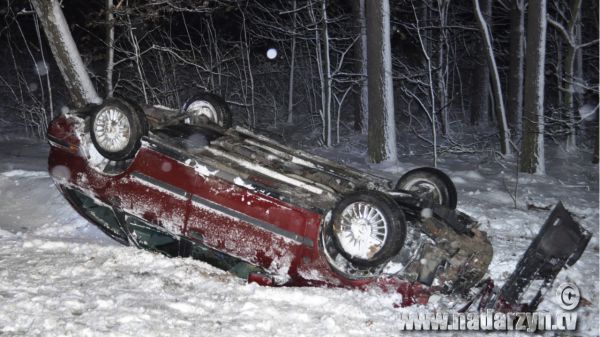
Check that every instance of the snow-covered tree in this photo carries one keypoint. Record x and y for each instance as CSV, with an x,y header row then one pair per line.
x,y
65,52
532,153
382,127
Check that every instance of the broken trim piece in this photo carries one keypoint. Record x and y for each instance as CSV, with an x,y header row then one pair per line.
x,y
253,221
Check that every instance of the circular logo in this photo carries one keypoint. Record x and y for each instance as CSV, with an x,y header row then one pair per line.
x,y
568,296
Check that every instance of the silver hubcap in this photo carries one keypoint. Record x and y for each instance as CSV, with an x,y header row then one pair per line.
x,y
426,190
362,230
112,129
203,108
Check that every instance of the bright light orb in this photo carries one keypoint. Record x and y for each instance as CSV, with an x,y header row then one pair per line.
x,y
271,53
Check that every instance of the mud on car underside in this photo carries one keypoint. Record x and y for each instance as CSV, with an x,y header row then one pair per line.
x,y
187,184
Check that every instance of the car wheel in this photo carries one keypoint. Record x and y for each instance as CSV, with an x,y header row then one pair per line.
x,y
367,228
207,107
116,128
430,184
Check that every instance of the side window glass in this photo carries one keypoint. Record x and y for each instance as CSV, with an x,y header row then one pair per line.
x,y
152,238
102,216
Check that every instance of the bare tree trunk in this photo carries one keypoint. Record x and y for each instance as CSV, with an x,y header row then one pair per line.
x,y
137,59
290,116
570,75
382,131
327,76
321,71
559,71
431,113
442,65
481,83
361,120
569,97
515,72
65,53
110,42
532,153
570,35
578,61
497,88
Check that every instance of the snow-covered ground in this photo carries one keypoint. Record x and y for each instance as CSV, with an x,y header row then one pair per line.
x,y
60,276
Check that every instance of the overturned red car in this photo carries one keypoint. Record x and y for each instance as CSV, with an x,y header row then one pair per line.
x,y
185,183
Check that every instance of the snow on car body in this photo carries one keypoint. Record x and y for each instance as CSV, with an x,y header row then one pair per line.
x,y
186,185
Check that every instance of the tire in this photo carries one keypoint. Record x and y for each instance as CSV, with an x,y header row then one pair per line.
x,y
124,142
208,106
349,224
430,183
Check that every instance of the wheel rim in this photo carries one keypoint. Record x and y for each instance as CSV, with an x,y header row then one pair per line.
x,y
426,190
202,108
362,230
112,129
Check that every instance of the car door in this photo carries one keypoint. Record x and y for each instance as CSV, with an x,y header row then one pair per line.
x,y
156,190
245,223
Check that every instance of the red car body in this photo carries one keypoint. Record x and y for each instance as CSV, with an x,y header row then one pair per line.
x,y
170,191
233,219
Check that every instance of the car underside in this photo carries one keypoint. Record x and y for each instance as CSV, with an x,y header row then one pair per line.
x,y
185,183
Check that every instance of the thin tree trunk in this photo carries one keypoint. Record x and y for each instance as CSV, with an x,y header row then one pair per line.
x,y
497,88
320,68
382,131
442,65
481,83
110,42
532,153
431,113
578,61
570,35
361,116
327,76
138,59
515,72
290,116
569,97
570,74
559,72
65,53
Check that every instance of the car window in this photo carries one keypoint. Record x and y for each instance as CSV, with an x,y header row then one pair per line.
x,y
101,215
151,237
